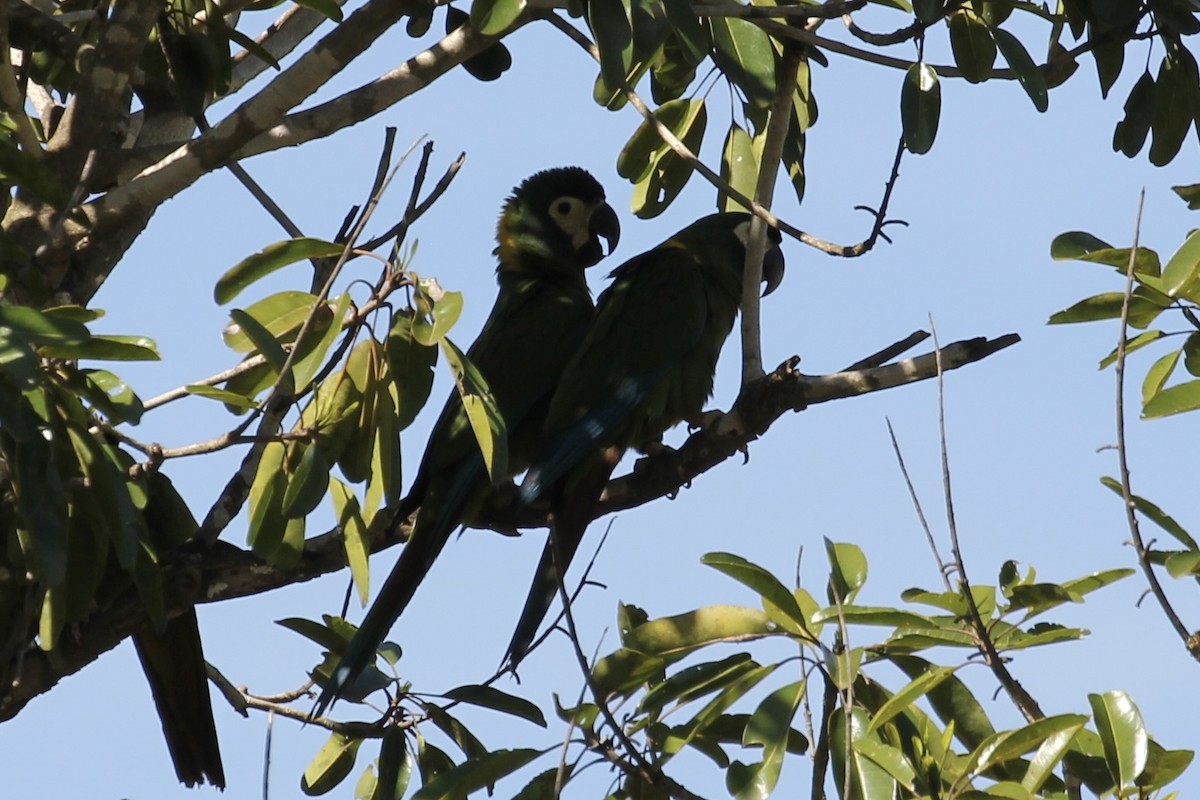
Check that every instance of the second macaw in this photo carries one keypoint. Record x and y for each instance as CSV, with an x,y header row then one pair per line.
x,y
549,232
647,363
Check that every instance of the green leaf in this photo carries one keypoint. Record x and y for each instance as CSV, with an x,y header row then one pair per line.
x,y
1190,194
1075,245
475,773
222,395
268,260
1029,74
1180,565
326,8
1037,597
1123,734
410,365
770,726
1142,310
692,34
952,701
716,708
112,396
928,10
107,348
1007,745
1157,376
743,52
920,107
668,172
38,327
645,148
1175,98
282,314
739,167
848,570
758,579
891,759
446,308
306,486
869,615
1163,766
1129,137
489,697
458,733
685,632
868,781
1183,267
972,44
1173,400
612,29
354,536
1097,580
1155,514
913,691
331,765
492,17
263,341
1132,344
395,766
696,681
324,331
486,421
1050,752
1191,353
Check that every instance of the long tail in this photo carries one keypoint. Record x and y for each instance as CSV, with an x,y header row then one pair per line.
x,y
174,665
440,514
572,513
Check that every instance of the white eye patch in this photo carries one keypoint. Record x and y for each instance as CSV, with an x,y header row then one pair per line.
x,y
571,216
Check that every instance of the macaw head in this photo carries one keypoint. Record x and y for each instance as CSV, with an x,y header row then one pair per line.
x,y
722,238
554,221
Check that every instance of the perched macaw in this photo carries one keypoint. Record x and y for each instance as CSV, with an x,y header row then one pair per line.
x,y
549,233
646,364
172,656
174,665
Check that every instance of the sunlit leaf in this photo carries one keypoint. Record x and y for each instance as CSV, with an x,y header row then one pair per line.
x,y
268,260
920,107
492,17
331,765
1123,734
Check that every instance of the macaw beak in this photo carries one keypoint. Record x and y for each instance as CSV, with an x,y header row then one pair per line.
x,y
772,269
604,223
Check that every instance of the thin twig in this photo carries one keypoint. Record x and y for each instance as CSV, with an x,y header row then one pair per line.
x,y
1023,700
642,768
916,501
1143,554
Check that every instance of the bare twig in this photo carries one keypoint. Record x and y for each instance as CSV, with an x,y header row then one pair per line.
x,y
1139,545
1023,700
916,501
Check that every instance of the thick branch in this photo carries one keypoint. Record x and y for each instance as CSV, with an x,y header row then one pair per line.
x,y
197,575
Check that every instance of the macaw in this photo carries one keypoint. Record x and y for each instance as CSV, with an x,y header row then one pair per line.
x,y
549,232
647,363
172,656
173,661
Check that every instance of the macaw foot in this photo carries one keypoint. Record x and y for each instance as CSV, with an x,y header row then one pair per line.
x,y
705,420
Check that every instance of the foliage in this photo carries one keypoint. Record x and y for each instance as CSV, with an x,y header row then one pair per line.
x,y
332,373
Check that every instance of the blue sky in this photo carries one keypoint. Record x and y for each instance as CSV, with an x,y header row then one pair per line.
x,y
1024,426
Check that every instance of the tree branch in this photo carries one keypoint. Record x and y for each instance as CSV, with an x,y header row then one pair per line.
x,y
195,574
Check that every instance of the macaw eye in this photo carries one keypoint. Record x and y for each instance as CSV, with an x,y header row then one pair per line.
x,y
569,213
